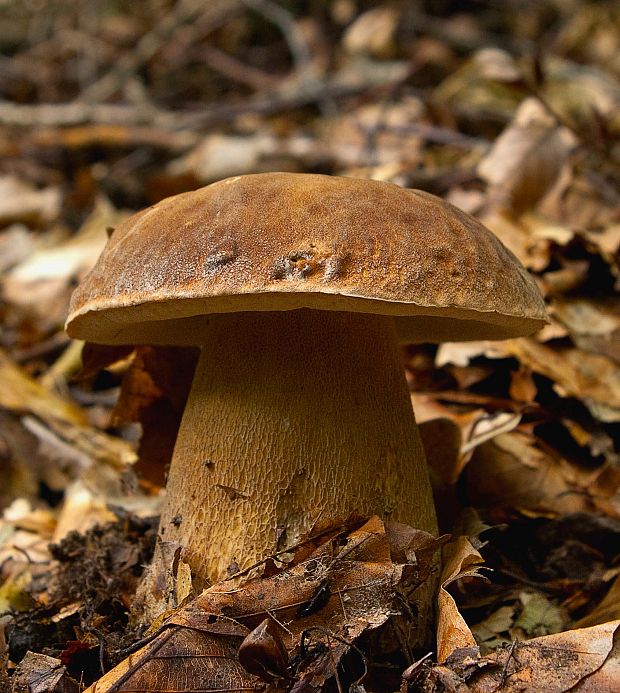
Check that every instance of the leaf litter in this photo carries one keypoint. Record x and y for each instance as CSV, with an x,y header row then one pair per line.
x,y
290,630
526,432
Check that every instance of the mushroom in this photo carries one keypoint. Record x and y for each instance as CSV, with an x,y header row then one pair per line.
x,y
297,288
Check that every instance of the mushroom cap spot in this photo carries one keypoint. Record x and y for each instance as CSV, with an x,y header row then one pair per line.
x,y
285,241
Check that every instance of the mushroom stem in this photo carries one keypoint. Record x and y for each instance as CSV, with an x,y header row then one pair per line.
x,y
293,418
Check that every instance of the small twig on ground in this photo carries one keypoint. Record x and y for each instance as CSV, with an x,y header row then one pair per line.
x,y
285,21
148,45
234,69
80,112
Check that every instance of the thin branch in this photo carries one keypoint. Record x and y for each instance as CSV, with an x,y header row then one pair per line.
x,y
285,21
80,112
148,45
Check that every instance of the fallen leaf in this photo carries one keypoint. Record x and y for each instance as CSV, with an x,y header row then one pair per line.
x,y
460,559
473,88
512,472
608,609
373,32
221,156
538,616
533,252
375,135
585,660
489,630
42,282
16,243
22,202
525,160
81,510
21,393
154,390
593,378
38,673
593,325
319,607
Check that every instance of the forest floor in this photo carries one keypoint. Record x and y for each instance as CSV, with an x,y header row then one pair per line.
x,y
510,111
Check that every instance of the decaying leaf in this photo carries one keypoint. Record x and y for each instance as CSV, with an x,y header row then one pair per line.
x,y
460,560
154,389
538,615
591,377
317,609
526,159
19,392
607,610
511,471
585,660
493,630
81,511
22,202
372,32
38,673
42,282
375,134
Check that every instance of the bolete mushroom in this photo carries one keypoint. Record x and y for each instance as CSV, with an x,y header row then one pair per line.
x,y
296,287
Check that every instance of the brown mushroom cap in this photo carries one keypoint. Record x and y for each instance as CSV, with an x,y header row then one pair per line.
x,y
282,241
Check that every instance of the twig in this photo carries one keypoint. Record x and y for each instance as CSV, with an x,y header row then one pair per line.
x,y
80,112
285,21
289,549
234,69
511,654
298,48
148,45
330,634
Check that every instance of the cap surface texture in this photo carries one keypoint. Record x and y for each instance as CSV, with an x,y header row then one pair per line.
x,y
282,241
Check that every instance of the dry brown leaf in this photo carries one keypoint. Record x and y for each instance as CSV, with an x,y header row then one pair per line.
x,y
441,438
42,283
474,88
525,160
533,251
450,446
220,156
81,511
98,446
344,588
593,325
21,393
16,243
97,357
373,32
582,95
153,393
375,135
580,202
607,241
460,560
39,673
25,534
608,608
522,386
585,660
511,472
22,202
483,427
593,378
586,316
73,256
